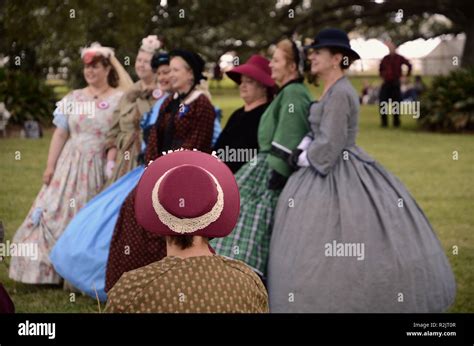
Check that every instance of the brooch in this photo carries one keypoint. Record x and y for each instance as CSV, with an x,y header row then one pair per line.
x,y
157,93
103,105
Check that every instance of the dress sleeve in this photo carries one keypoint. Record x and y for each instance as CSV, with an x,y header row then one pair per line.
x,y
154,140
115,302
60,117
291,128
111,138
329,142
217,125
200,136
151,151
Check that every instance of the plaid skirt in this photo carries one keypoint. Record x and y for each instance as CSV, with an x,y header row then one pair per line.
x,y
250,239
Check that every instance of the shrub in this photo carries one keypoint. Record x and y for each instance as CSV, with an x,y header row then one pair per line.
x,y
448,104
26,97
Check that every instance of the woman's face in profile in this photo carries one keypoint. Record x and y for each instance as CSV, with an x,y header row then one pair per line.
x,y
322,60
143,65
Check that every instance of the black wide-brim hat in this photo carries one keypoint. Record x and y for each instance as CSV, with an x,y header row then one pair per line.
x,y
335,38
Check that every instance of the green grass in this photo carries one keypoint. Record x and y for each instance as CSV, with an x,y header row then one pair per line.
x,y
423,161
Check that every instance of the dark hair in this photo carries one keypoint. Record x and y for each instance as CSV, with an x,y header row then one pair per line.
x,y
350,59
296,54
271,91
112,77
182,241
314,80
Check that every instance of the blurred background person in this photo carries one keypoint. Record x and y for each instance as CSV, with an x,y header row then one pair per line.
x,y
391,71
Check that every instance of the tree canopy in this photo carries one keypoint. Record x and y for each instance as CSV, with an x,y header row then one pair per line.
x,y
42,34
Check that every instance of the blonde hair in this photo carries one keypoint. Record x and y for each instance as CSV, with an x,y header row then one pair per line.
x,y
286,46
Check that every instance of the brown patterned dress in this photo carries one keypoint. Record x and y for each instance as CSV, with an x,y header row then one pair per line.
x,y
132,247
202,284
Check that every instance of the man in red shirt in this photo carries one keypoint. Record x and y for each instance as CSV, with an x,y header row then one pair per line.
x,y
391,72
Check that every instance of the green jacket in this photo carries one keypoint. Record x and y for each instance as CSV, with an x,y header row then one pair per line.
x,y
285,123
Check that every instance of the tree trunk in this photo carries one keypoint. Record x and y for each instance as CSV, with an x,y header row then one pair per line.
x,y
468,55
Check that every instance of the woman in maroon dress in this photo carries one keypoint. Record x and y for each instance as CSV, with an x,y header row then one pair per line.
x,y
186,121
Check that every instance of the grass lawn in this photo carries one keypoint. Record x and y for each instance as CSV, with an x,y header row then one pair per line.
x,y
423,161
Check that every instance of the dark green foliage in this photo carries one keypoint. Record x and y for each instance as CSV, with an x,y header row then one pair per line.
x,y
26,97
448,104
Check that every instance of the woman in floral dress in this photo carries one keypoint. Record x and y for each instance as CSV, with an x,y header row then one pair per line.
x,y
76,162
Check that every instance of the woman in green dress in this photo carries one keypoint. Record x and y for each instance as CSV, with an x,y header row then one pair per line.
x,y
260,181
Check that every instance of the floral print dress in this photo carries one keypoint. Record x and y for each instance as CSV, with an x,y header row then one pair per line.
x,y
78,176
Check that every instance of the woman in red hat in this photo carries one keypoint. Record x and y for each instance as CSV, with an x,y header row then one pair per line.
x,y
188,197
186,121
238,142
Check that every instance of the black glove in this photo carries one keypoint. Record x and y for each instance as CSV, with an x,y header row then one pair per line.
x,y
293,159
277,181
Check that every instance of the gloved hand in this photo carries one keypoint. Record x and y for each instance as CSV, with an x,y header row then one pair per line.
x,y
109,168
277,181
293,159
305,142
303,159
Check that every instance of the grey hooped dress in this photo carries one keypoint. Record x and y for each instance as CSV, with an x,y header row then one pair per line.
x,y
348,236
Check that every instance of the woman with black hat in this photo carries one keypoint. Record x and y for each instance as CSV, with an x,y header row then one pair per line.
x,y
81,253
348,236
238,141
186,121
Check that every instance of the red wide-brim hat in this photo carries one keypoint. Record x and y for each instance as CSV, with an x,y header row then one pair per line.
x,y
257,67
202,180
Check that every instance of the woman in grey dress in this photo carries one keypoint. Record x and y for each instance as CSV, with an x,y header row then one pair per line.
x,y
348,236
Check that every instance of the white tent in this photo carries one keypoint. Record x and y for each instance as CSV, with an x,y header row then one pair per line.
x,y
437,55
445,57
371,51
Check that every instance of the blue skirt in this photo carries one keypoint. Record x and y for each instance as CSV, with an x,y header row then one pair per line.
x,y
80,254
